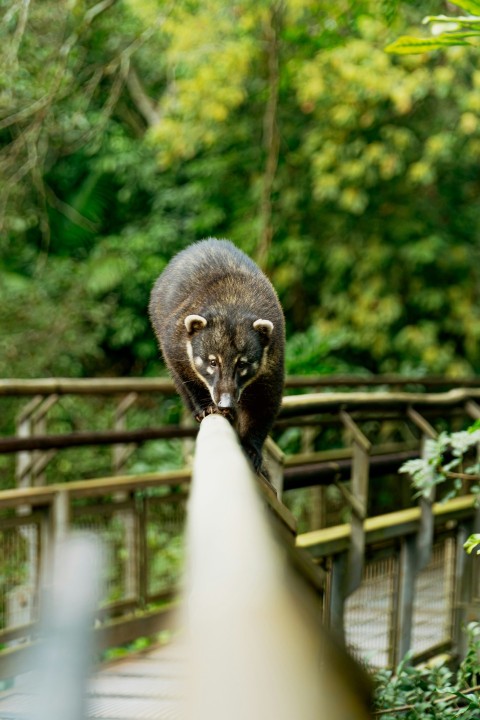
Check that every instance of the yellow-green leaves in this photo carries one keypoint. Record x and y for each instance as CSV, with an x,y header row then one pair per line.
x,y
209,48
407,45
472,543
348,90
447,31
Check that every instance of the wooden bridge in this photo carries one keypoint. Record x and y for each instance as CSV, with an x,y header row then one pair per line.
x,y
389,580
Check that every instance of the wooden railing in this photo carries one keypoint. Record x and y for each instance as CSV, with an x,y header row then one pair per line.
x,y
136,519
353,441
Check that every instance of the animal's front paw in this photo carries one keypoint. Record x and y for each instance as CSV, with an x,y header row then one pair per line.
x,y
214,410
203,414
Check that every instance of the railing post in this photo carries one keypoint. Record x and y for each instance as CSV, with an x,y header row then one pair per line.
x,y
318,494
141,547
23,470
425,533
127,518
463,589
61,519
357,499
336,598
32,421
121,453
405,595
29,472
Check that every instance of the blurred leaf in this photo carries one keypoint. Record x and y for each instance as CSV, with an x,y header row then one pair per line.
x,y
472,543
407,45
471,6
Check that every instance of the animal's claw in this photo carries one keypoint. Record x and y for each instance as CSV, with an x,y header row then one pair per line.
x,y
210,410
214,410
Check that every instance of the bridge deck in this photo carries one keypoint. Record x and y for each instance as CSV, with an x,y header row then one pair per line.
x,y
146,686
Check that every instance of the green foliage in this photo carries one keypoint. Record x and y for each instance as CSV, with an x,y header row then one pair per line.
x,y
431,470
415,693
463,466
472,543
135,128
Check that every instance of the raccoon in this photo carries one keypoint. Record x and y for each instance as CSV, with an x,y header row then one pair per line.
x,y
221,330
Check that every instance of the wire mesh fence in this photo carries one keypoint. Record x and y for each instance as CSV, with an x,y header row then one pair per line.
x,y
370,612
165,520
19,564
371,625
117,532
434,597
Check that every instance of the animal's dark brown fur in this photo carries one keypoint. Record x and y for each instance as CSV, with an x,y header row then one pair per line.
x,y
221,330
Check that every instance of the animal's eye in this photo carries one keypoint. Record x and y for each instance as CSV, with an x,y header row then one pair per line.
x,y
242,365
213,362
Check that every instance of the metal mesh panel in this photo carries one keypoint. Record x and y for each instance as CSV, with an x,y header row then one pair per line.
x,y
369,612
19,553
165,547
116,530
432,609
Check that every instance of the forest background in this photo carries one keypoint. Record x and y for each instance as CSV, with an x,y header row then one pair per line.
x,y
131,128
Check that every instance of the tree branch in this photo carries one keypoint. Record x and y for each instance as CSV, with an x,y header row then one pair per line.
x,y
144,104
271,134
12,55
100,7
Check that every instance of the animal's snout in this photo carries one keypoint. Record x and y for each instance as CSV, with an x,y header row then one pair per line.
x,y
226,401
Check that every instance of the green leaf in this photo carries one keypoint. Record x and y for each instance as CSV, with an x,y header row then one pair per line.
x,y
464,21
407,45
471,6
471,543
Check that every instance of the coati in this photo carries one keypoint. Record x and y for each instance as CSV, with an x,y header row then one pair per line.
x,y
221,330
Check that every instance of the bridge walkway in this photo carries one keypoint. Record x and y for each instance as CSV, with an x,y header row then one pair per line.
x,y
143,686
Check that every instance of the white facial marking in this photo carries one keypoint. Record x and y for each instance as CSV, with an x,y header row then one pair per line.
x,y
198,362
192,363
259,369
212,357
243,372
210,370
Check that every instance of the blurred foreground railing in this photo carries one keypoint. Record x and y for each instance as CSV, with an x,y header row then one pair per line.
x,y
253,639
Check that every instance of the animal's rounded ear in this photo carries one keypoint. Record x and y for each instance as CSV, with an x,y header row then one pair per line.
x,y
194,322
265,327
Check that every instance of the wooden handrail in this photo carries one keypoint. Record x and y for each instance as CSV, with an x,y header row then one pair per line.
x,y
292,406
14,443
36,496
111,386
383,527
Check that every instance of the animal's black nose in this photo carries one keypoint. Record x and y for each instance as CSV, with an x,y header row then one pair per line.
x,y
225,402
